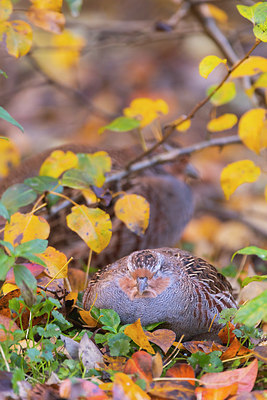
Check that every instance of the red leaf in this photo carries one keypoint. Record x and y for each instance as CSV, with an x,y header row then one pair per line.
x,y
180,370
140,364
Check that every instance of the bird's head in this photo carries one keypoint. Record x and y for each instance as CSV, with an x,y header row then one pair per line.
x,y
145,276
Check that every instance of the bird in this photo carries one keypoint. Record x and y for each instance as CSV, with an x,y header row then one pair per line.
x,y
170,198
163,285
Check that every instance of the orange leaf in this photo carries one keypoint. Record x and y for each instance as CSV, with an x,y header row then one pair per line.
x,y
243,377
221,393
136,333
179,370
235,349
140,364
51,21
9,325
163,338
133,210
125,389
25,227
172,390
226,333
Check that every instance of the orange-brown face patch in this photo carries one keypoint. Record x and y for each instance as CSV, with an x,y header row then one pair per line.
x,y
155,285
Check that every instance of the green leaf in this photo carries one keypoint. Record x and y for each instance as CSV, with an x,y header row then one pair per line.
x,y
6,262
51,330
227,315
252,250
119,344
253,311
17,376
254,278
96,166
208,362
110,319
3,73
33,258
75,7
7,117
52,199
33,354
248,11
61,321
260,13
260,31
41,184
8,245
32,246
224,95
24,277
121,124
16,196
3,211
77,179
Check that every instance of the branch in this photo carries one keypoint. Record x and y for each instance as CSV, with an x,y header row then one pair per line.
x,y
171,156
171,127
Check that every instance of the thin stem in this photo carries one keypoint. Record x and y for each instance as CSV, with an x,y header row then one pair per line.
x,y
170,128
88,268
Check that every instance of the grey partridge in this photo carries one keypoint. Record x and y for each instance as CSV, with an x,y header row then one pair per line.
x,y
171,207
163,285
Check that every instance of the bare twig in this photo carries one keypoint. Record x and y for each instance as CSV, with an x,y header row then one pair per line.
x,y
171,127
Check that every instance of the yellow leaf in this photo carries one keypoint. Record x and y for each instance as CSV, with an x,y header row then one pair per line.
x,y
252,129
49,20
9,157
17,37
125,389
237,173
92,225
54,261
136,333
133,210
89,196
146,110
87,318
69,49
222,123
25,227
9,287
224,95
261,81
217,13
5,9
253,65
54,5
208,64
58,162
184,126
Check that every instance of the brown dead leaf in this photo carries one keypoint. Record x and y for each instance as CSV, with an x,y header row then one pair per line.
x,y
172,390
205,346
180,370
243,377
235,349
77,277
115,363
261,353
157,366
140,364
164,338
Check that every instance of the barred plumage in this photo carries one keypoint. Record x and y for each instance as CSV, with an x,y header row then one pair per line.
x,y
165,284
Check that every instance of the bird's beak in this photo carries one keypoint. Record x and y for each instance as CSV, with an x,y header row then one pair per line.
x,y
141,284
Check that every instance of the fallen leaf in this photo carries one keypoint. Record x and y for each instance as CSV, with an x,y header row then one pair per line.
x,y
164,338
137,334
172,390
125,389
89,353
235,349
87,318
9,325
220,393
180,370
140,364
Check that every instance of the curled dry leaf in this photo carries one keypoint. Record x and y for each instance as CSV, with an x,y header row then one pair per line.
x,y
205,346
226,333
172,390
87,318
164,338
235,349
